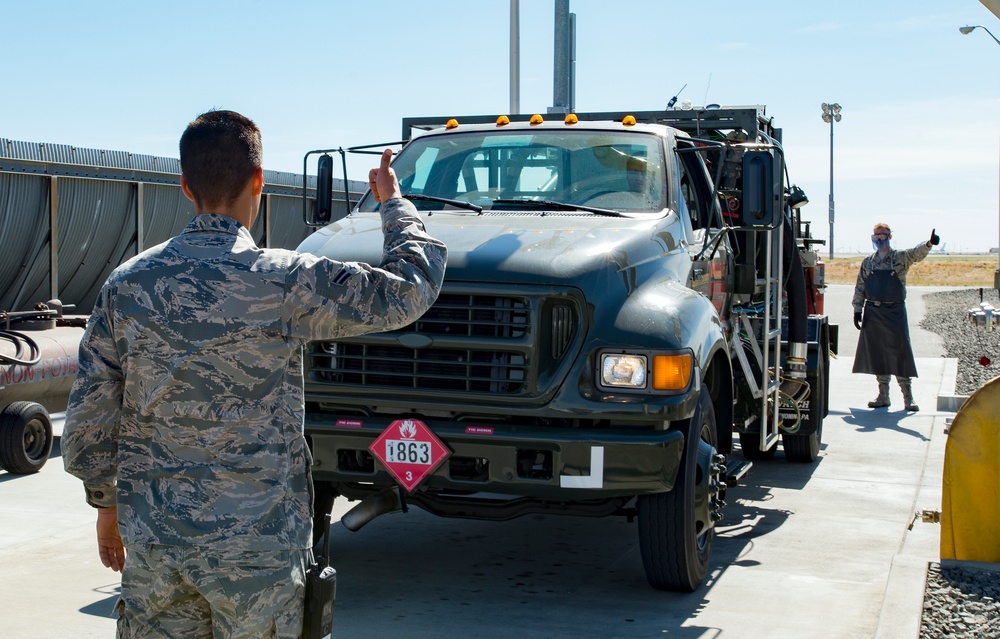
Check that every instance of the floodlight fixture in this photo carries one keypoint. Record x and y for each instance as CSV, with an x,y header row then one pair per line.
x,y
966,30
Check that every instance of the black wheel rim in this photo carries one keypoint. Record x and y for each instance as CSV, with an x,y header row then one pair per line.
x,y
35,440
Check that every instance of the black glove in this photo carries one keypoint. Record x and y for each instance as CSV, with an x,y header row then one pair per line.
x,y
857,320
935,240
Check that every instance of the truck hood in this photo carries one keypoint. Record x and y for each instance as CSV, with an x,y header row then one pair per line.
x,y
515,246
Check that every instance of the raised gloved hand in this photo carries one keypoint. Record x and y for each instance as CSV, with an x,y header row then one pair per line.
x,y
935,240
857,320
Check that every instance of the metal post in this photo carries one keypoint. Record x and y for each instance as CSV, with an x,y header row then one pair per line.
x,y
515,58
53,237
831,114
268,221
966,30
140,215
831,190
571,80
560,62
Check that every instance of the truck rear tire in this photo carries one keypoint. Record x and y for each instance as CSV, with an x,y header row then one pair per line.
x,y
676,528
805,448
25,437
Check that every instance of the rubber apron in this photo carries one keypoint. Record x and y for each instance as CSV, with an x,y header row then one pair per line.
x,y
884,345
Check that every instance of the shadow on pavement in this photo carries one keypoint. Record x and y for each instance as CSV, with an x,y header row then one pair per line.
x,y
103,607
870,420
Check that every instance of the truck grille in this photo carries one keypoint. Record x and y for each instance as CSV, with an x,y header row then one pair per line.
x,y
475,316
467,343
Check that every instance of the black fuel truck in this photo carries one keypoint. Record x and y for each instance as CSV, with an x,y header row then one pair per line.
x,y
629,297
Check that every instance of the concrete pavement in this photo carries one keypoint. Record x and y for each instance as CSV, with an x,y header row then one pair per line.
x,y
903,599
806,550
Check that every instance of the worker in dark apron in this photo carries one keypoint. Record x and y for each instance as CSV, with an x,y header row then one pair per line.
x,y
880,314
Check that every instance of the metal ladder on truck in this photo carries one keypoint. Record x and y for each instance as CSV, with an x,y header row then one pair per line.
x,y
763,330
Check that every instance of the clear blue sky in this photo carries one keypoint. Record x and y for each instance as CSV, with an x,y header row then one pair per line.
x,y
918,147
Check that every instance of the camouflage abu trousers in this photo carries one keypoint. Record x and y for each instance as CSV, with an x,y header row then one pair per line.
x,y
182,593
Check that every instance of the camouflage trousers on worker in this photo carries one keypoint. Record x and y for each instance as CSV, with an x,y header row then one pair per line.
x,y
174,592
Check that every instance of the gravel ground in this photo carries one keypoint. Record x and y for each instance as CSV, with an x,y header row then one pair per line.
x,y
947,315
963,600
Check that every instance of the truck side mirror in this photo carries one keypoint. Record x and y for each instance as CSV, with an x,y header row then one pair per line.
x,y
324,189
759,208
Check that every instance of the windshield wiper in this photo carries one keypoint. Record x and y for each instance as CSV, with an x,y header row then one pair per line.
x,y
562,206
443,200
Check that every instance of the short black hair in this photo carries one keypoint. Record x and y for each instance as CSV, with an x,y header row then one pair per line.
x,y
220,152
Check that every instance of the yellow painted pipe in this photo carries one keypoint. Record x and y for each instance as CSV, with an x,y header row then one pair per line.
x,y
970,492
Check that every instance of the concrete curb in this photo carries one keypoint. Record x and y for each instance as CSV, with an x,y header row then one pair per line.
x,y
902,608
951,403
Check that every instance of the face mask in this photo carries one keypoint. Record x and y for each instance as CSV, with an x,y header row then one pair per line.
x,y
879,244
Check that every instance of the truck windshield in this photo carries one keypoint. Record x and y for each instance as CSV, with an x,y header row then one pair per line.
x,y
620,171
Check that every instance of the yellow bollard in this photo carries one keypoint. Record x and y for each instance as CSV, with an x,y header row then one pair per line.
x,y
970,493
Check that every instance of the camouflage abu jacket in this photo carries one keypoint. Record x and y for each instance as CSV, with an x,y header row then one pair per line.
x,y
187,411
899,261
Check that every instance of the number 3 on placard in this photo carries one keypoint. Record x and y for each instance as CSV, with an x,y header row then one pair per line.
x,y
409,476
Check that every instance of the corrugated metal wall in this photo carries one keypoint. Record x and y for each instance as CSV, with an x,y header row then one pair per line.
x,y
100,208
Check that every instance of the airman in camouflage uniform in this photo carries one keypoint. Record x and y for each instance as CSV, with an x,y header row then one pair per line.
x,y
884,346
185,422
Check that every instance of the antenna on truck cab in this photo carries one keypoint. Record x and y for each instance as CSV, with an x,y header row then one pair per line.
x,y
673,100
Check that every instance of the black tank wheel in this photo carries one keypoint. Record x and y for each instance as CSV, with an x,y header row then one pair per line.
x,y
805,448
25,437
677,528
750,447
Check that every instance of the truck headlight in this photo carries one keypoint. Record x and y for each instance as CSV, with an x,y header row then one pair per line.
x,y
646,371
624,370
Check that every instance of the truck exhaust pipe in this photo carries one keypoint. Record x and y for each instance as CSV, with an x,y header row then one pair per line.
x,y
380,503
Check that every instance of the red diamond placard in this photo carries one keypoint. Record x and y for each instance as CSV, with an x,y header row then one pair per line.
x,y
410,451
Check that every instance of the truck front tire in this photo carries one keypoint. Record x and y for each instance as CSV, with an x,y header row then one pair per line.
x,y
676,529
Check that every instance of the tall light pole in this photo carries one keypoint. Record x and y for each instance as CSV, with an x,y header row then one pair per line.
x,y
966,30
515,58
831,114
